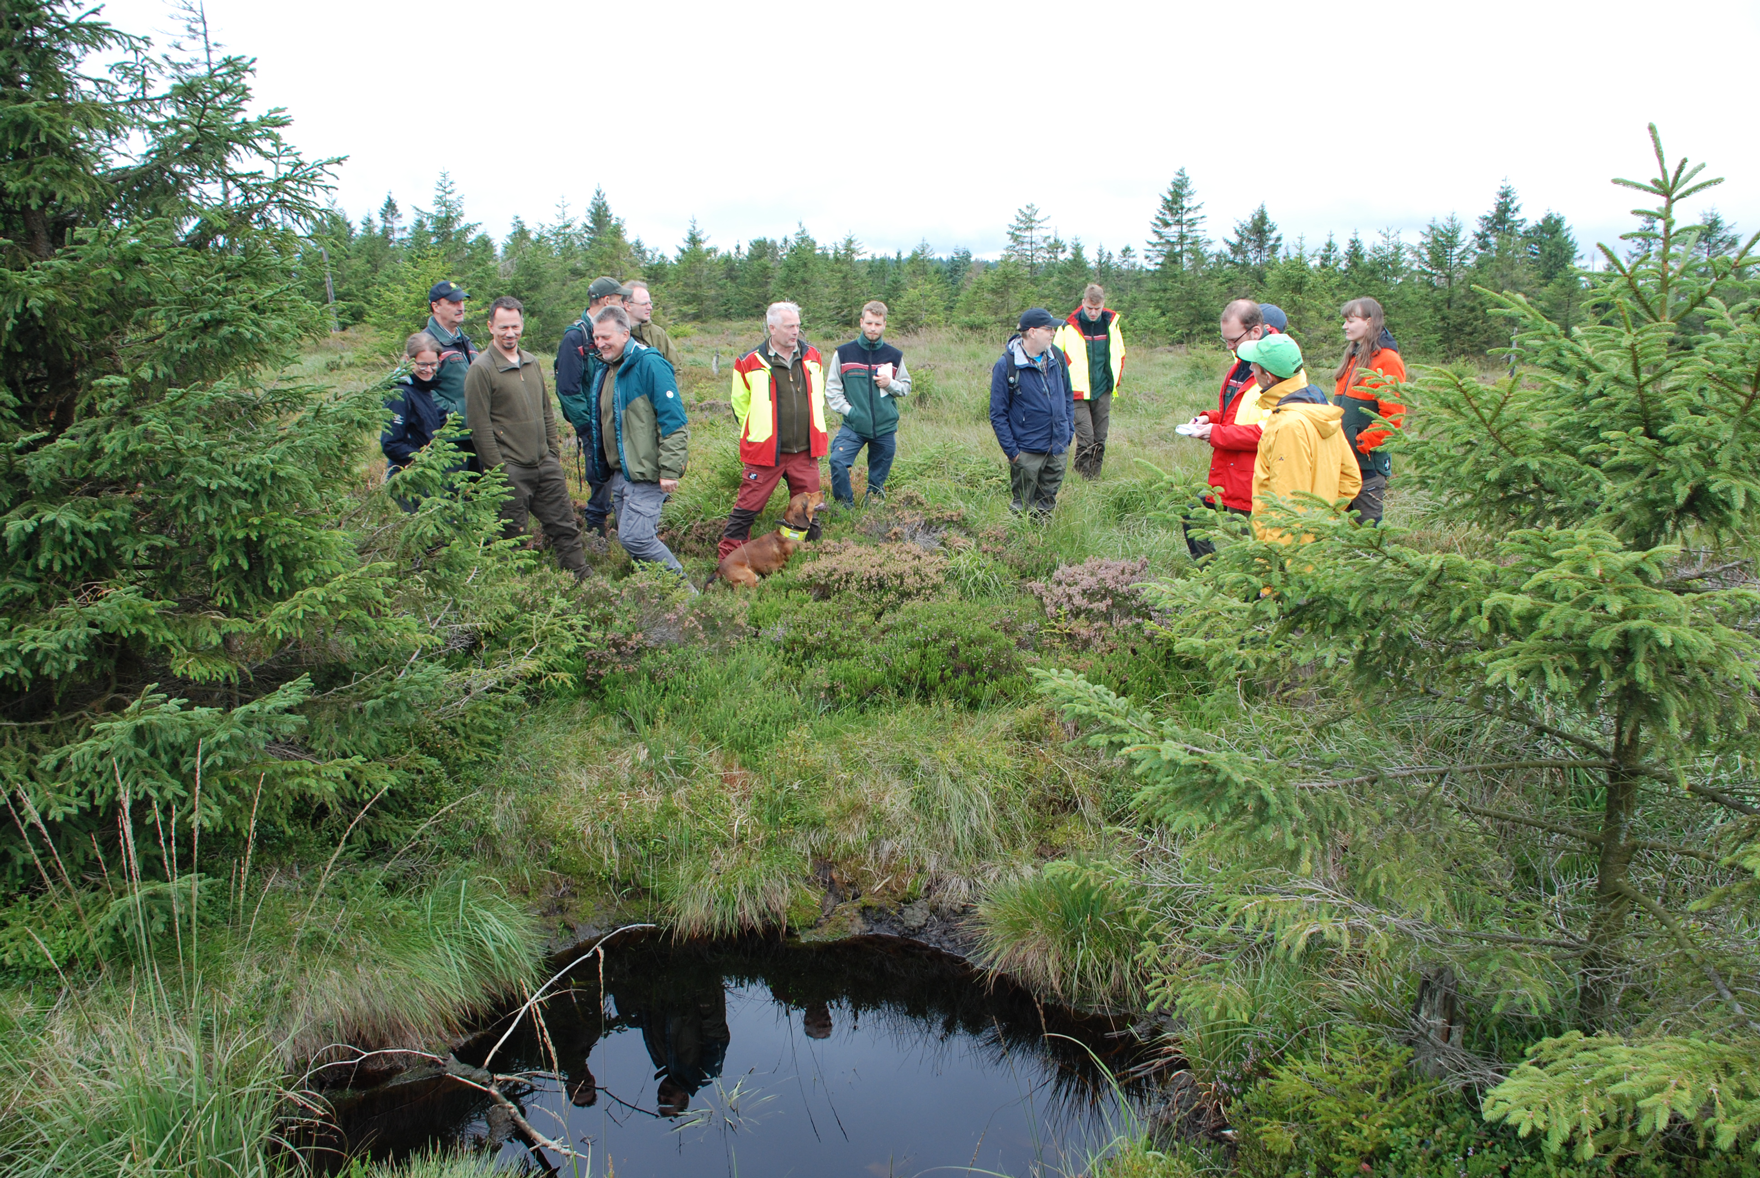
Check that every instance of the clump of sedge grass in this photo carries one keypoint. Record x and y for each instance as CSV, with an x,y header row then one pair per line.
x,y
1077,930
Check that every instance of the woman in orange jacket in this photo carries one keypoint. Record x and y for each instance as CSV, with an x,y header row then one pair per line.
x,y
1365,389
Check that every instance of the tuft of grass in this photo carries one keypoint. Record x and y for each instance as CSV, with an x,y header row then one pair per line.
x,y
731,889
1077,929
1142,1159
393,967
436,1163
139,1092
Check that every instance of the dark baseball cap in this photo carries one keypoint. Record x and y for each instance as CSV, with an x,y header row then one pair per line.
x,y
1037,317
1275,319
603,288
448,290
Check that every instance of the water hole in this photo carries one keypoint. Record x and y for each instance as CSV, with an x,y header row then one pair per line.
x,y
870,1057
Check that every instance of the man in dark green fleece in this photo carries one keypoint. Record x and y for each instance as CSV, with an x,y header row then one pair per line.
x,y
638,437
864,382
446,325
514,428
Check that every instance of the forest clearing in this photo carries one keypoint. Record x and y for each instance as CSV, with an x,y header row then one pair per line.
x,y
347,833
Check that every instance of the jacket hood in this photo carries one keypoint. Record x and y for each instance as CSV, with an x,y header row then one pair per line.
x,y
1293,387
1385,342
1324,417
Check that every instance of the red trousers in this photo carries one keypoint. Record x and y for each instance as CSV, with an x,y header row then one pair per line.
x,y
757,484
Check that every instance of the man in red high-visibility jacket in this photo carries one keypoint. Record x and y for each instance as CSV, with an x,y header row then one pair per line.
x,y
779,399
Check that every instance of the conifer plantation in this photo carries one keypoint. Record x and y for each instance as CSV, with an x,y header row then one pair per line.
x,y
1423,849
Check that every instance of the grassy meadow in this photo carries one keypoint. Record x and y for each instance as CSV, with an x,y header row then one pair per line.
x,y
745,762
858,737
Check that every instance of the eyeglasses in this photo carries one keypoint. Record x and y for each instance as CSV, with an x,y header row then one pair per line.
x,y
421,365
1234,343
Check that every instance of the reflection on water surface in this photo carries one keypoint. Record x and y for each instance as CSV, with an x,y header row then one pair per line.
x,y
870,1057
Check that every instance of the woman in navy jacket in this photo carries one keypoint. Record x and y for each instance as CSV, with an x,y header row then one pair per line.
x,y
415,416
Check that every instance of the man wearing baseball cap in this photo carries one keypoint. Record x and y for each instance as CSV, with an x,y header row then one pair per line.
x,y
446,325
1032,410
576,362
1303,447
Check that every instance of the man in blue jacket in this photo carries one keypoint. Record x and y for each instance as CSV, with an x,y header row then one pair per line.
x,y
1032,410
638,440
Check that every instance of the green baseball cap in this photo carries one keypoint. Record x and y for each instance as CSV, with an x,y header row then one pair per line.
x,y
1279,355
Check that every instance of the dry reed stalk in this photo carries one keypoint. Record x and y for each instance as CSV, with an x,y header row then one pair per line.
x,y
250,845
324,878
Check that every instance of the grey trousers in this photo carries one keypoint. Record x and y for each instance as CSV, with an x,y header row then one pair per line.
x,y
1371,499
542,490
1033,481
638,521
1093,418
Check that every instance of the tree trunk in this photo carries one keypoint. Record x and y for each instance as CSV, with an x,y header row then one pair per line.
x,y
1437,1026
1599,981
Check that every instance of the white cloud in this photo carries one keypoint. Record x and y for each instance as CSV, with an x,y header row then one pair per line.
x,y
933,121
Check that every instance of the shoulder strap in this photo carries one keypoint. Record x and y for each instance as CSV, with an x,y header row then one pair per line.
x,y
1014,373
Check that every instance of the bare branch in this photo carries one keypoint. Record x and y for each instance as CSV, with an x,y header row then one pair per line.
x,y
1656,910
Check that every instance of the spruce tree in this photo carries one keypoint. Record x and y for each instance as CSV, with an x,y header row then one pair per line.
x,y
608,249
1716,235
1027,238
694,288
1502,224
390,220
1445,259
196,586
1503,756
1176,235
1356,258
1256,244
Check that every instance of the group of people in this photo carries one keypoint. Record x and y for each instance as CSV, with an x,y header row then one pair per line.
x,y
1272,433
617,384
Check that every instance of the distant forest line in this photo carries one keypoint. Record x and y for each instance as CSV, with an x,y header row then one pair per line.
x,y
1171,292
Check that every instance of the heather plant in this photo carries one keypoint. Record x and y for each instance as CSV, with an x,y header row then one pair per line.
x,y
878,577
961,652
1088,603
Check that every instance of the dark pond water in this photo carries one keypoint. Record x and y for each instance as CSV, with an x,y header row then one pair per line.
x,y
870,1057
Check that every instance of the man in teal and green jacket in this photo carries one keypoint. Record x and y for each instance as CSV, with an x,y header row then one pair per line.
x,y
638,439
865,379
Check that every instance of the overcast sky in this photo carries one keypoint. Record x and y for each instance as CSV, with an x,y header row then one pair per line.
x,y
911,120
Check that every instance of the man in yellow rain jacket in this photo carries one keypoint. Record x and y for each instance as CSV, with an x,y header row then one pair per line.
x,y
1091,338
1303,447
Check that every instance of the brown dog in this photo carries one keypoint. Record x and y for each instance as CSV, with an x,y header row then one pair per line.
x,y
770,552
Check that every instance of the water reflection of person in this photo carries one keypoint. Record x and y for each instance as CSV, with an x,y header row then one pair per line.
x,y
816,1022
574,1032
688,1044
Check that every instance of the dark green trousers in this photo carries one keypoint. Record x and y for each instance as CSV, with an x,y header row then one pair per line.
x,y
542,490
1033,481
